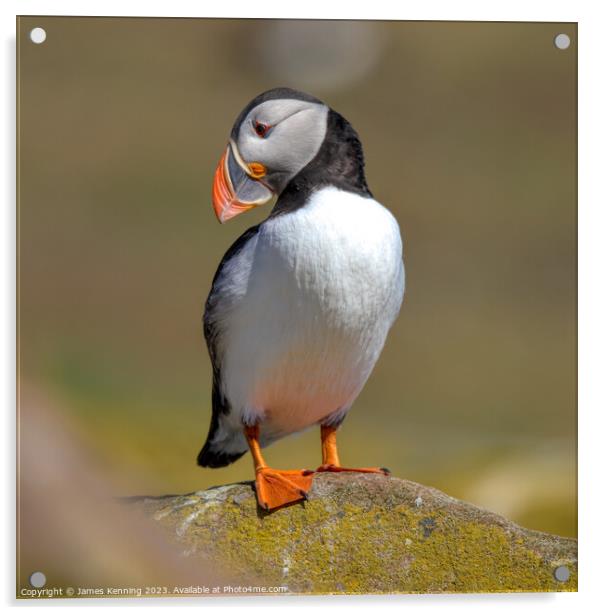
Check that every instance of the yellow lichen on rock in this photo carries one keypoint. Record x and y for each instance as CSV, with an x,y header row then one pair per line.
x,y
366,534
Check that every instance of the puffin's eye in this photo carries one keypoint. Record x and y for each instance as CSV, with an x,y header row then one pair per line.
x,y
261,129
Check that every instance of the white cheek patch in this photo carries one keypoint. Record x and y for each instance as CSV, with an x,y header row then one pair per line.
x,y
298,130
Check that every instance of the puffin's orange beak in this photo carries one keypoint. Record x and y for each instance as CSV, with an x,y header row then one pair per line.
x,y
236,185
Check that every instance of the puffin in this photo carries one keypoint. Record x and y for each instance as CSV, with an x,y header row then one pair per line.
x,y
301,304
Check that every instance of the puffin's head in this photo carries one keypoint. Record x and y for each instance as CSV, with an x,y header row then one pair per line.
x,y
276,135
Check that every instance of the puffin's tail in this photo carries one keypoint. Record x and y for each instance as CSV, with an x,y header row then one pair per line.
x,y
231,444
213,457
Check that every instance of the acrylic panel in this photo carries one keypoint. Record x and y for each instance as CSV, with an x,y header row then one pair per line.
x,y
468,132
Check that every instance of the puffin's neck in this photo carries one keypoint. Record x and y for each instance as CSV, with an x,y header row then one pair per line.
x,y
339,163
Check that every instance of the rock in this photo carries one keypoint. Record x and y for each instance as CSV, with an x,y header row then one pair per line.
x,y
360,533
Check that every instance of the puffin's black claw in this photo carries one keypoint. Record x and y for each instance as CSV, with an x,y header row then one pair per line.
x,y
386,471
265,506
303,494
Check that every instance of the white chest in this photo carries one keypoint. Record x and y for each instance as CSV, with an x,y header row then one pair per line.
x,y
322,286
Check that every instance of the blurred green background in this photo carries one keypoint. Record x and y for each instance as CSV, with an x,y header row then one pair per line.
x,y
469,132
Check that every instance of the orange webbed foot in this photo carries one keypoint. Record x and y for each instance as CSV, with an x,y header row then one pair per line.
x,y
276,488
331,467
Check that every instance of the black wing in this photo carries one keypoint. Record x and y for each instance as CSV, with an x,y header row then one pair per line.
x,y
211,456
